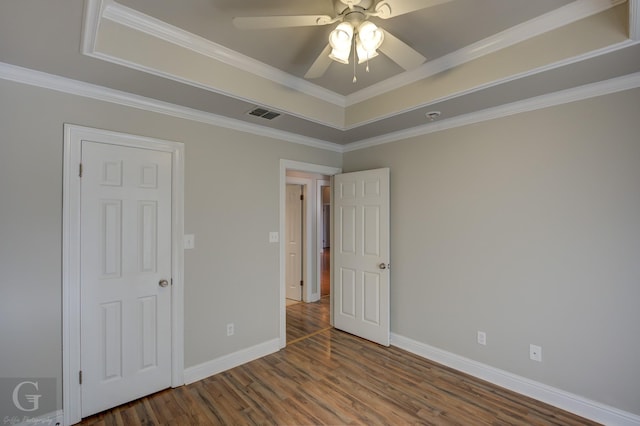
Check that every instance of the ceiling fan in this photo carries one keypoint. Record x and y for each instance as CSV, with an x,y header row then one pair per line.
x,y
355,34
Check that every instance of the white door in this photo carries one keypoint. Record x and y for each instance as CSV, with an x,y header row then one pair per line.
x,y
125,274
293,238
361,254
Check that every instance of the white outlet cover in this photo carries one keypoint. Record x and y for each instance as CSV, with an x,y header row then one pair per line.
x,y
535,353
274,237
482,338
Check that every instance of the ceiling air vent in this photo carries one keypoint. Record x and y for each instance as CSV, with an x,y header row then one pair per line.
x,y
266,114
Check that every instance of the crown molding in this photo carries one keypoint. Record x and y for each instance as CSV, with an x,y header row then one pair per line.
x,y
565,15
61,84
634,20
90,24
74,87
544,68
550,21
587,91
156,28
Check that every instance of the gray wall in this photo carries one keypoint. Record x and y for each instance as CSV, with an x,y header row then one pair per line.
x,y
527,228
231,204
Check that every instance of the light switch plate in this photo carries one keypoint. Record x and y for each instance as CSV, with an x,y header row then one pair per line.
x,y
274,237
189,241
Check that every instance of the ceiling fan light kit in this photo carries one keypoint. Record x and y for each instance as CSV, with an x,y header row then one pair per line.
x,y
368,38
355,34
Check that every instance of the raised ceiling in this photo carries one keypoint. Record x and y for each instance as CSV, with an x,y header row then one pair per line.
x,y
480,55
434,32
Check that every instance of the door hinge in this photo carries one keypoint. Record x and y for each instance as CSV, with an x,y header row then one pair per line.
x,y
80,170
301,197
301,282
80,376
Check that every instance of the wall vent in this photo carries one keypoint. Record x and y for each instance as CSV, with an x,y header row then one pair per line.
x,y
264,113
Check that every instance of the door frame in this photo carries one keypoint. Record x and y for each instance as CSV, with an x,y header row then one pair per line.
x,y
71,361
301,167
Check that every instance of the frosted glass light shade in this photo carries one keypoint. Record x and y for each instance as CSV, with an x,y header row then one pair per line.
x,y
364,54
370,36
340,41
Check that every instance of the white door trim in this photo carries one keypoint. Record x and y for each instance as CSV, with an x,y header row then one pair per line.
x,y
73,137
302,167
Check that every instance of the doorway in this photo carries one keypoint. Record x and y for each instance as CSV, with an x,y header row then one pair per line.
x,y
324,236
312,177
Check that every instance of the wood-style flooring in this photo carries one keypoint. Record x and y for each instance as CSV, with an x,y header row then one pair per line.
x,y
333,378
325,271
304,319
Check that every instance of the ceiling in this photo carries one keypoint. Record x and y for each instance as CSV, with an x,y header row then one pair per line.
x,y
480,54
434,32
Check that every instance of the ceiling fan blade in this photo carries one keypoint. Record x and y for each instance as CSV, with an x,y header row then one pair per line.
x,y
320,65
265,22
400,52
386,9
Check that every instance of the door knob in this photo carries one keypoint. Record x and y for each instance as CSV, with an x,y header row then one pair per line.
x,y
383,266
163,283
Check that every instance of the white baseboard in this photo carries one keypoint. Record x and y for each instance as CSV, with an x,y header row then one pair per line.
x,y
558,398
218,365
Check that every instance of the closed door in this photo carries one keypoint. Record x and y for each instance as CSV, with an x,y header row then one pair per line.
x,y
361,254
125,274
293,238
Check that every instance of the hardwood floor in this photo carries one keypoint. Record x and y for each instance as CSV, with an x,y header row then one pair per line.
x,y
304,319
325,272
331,377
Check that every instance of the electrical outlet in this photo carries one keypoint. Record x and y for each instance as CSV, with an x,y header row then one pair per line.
x,y
230,329
482,338
274,237
535,353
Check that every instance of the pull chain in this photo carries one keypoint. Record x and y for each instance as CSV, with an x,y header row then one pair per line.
x,y
355,79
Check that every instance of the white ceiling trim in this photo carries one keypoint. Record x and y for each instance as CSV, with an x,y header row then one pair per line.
x,y
587,91
92,91
92,13
529,73
634,19
156,28
560,17
65,85
565,15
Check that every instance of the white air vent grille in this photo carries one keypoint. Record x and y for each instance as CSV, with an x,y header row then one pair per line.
x,y
264,113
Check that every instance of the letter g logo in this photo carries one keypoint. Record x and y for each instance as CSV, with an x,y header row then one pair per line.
x,y
33,399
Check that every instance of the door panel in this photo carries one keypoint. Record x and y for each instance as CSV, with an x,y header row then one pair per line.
x,y
293,240
361,209
125,252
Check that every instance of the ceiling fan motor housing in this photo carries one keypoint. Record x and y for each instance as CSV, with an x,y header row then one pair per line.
x,y
343,6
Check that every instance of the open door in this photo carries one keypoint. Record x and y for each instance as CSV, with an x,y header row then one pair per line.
x,y
294,242
361,254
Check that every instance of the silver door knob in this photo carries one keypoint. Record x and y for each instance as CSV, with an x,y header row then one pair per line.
x,y
383,266
163,283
